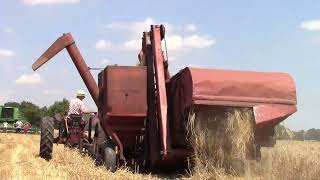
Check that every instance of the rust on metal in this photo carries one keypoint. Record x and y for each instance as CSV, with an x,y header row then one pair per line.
x,y
125,90
272,114
162,104
66,41
272,95
84,72
237,88
54,49
152,126
124,107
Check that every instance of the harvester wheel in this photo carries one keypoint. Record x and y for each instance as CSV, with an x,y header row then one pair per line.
x,y
46,141
110,159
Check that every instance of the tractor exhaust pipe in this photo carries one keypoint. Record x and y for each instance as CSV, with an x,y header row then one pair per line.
x,y
67,41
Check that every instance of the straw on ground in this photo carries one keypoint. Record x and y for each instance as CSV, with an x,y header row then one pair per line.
x,y
19,160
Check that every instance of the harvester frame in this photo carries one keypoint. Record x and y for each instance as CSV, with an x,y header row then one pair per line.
x,y
142,110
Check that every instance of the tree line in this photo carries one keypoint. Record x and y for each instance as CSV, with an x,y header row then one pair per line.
x,y
33,113
287,134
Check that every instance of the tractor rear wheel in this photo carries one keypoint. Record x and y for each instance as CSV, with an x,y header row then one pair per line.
x,y
46,141
110,159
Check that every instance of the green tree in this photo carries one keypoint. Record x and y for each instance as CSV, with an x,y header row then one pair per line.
x,y
58,107
284,133
32,112
44,111
299,136
12,104
313,134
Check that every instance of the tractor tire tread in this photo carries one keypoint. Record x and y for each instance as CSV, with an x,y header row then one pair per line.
x,y
46,141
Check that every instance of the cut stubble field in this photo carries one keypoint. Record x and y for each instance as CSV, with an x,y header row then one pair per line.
x,y
19,160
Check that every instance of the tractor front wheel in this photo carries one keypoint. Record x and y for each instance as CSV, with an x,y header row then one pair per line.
x,y
46,141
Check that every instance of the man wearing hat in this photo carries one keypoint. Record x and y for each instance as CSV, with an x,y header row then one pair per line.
x,y
77,109
76,106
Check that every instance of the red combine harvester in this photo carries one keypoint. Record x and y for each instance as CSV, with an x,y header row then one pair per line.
x,y
142,111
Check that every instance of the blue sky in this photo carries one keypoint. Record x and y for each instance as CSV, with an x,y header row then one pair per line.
x,y
246,35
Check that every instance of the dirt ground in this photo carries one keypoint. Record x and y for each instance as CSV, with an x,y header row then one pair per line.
x,y
19,160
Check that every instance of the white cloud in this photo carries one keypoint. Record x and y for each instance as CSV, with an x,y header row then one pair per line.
x,y
132,44
138,27
3,99
7,94
184,43
179,38
197,41
313,25
190,28
32,79
105,62
175,43
6,53
103,45
49,2
172,58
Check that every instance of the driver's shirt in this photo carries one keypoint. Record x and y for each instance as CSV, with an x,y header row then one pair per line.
x,y
76,107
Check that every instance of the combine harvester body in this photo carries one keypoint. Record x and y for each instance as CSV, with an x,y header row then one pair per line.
x,y
143,111
9,115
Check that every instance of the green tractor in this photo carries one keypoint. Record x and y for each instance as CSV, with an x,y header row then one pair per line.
x,y
9,115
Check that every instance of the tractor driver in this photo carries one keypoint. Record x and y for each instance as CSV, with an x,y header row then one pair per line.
x,y
76,106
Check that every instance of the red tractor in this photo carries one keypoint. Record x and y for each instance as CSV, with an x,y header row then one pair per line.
x,y
71,133
142,111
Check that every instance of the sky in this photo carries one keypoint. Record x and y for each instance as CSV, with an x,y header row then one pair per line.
x,y
273,36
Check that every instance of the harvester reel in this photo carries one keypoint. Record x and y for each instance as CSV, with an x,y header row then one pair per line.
x,y
46,141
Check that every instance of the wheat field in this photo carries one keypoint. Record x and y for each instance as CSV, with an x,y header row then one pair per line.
x,y
19,160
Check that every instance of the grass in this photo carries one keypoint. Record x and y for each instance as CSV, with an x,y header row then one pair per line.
x,y
19,160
